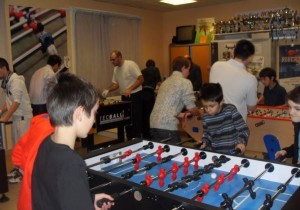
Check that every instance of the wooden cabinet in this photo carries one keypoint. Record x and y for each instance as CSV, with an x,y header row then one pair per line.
x,y
201,54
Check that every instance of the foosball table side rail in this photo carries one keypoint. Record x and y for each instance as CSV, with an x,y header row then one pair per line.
x,y
141,197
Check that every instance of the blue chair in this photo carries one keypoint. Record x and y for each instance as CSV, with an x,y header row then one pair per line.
x,y
272,145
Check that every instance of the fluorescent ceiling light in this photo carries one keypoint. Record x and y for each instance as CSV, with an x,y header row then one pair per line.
x,y
178,2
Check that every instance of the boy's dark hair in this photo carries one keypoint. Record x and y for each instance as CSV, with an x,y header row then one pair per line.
x,y
267,72
244,49
180,62
211,92
66,92
150,63
294,95
3,62
54,59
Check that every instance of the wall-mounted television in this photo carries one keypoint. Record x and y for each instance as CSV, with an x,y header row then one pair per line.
x,y
185,34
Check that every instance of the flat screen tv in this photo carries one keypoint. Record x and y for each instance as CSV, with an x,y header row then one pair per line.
x,y
185,34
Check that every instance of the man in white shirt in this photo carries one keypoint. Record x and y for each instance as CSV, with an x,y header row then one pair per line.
x,y
39,81
239,86
16,108
128,78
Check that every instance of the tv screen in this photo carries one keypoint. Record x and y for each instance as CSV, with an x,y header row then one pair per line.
x,y
185,34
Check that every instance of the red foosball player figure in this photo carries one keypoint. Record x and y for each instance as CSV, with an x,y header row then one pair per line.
x,y
162,174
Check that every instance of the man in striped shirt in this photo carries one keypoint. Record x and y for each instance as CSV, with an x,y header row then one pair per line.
x,y
223,126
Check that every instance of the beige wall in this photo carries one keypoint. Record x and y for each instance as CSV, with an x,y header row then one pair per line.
x,y
158,29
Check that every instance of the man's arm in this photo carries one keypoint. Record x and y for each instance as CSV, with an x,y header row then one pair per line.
x,y
251,99
260,99
139,81
112,87
7,115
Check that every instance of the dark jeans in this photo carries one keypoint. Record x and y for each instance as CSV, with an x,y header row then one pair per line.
x,y
135,130
148,103
161,134
38,109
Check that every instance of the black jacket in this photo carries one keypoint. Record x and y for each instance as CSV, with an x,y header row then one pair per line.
x,y
292,151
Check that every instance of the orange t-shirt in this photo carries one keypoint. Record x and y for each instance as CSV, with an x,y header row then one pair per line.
x,y
24,153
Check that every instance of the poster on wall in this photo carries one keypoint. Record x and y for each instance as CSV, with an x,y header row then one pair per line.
x,y
256,65
36,33
205,30
289,66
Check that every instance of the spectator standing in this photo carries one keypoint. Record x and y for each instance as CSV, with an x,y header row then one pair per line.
x,y
152,78
17,108
239,86
38,84
195,75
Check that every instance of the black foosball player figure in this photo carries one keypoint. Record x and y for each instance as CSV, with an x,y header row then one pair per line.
x,y
59,173
224,128
293,100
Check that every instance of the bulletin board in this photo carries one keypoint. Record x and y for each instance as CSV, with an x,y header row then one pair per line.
x,y
288,63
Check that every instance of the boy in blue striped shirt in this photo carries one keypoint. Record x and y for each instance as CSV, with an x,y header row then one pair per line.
x,y
224,128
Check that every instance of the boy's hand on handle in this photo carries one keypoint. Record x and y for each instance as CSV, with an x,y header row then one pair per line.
x,y
200,145
280,156
242,147
105,205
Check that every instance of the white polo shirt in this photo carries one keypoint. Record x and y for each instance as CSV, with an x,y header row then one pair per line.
x,y
126,75
16,91
38,83
239,86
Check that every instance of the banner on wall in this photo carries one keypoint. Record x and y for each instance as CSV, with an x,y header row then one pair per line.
x,y
36,33
289,66
205,30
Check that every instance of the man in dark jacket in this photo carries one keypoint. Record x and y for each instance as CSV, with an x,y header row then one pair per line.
x,y
195,75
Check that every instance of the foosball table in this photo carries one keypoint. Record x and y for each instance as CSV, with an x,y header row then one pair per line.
x,y
147,175
269,120
111,114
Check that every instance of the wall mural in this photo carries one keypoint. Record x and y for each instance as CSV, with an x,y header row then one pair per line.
x,y
36,33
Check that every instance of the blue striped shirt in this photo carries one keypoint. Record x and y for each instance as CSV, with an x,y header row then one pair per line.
x,y
224,130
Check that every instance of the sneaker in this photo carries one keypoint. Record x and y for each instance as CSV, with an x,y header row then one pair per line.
x,y
12,173
17,178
